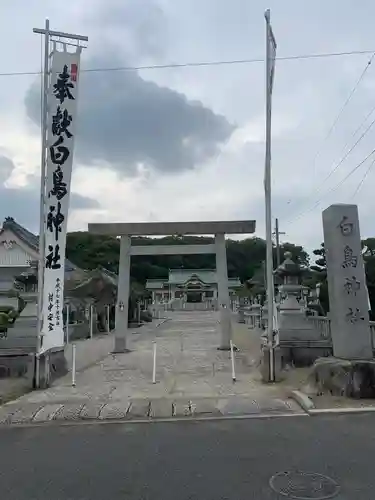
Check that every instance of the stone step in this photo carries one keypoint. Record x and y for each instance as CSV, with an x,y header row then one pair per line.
x,y
141,409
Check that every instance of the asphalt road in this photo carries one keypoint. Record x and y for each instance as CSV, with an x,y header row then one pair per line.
x,y
230,460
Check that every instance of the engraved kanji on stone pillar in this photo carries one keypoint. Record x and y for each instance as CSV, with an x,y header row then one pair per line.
x,y
350,326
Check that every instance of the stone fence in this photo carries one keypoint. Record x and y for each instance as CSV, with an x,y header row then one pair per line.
x,y
253,318
323,324
180,305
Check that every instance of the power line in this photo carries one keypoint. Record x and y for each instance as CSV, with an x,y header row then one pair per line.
x,y
358,128
332,171
335,168
332,189
335,121
349,151
201,63
360,184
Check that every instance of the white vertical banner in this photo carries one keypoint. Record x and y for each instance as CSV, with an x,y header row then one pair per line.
x,y
271,55
270,73
62,106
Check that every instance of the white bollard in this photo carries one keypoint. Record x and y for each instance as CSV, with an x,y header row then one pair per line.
x,y
154,364
73,365
67,323
108,327
91,320
232,359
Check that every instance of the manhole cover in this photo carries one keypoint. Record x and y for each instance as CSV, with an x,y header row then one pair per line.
x,y
304,485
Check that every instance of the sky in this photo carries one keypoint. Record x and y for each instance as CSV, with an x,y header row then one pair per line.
x,y
187,143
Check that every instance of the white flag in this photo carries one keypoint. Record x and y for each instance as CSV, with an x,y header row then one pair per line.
x,y
62,105
271,53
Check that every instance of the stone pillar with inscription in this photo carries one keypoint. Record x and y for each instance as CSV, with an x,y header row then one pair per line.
x,y
349,317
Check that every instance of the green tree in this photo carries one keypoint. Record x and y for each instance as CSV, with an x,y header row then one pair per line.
x,y
244,257
320,263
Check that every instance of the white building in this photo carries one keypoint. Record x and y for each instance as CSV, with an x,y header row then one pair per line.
x,y
18,254
193,285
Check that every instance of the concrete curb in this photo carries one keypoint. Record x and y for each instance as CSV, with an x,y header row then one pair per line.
x,y
148,420
303,400
341,411
307,404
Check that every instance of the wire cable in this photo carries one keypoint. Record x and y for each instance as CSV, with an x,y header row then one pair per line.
x,y
201,63
337,166
334,167
335,188
335,121
360,184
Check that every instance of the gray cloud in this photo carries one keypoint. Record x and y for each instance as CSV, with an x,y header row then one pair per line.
x,y
6,168
23,203
127,121
80,202
141,25
308,93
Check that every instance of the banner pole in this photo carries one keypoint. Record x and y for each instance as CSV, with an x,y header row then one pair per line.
x,y
42,202
270,56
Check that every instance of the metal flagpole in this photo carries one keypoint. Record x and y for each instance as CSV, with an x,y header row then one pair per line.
x,y
42,201
270,57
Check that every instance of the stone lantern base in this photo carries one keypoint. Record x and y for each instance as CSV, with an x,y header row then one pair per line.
x,y
266,363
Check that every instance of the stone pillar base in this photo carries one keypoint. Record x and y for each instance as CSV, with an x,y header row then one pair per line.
x,y
52,365
120,345
265,367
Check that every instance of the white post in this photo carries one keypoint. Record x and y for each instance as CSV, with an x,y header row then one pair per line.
x,y
91,320
107,311
232,359
270,55
73,365
154,364
67,324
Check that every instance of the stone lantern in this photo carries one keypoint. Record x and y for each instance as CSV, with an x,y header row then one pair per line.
x,y
291,291
300,340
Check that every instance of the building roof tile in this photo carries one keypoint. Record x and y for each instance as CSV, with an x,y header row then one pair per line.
x,y
29,239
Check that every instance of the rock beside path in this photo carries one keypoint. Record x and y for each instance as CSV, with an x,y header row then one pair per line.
x,y
341,377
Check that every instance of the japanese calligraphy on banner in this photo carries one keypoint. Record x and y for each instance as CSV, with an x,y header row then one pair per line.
x,y
348,295
62,105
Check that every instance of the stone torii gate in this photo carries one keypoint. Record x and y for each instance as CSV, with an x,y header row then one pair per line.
x,y
128,229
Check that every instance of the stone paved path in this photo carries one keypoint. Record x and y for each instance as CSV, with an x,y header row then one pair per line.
x,y
193,378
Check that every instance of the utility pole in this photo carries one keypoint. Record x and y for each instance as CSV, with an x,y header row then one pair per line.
x,y
277,234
